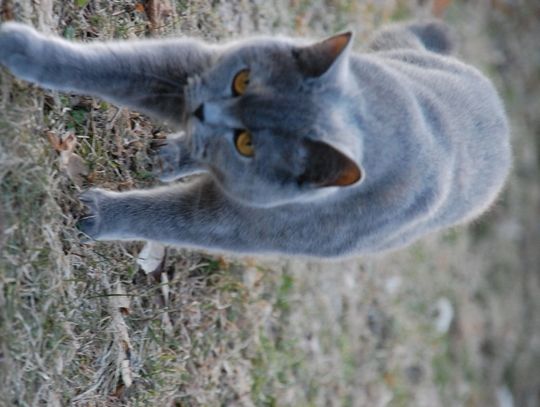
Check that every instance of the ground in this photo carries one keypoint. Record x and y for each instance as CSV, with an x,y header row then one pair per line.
x,y
453,320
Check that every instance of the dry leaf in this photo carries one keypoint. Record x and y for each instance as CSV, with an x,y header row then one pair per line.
x,y
120,300
45,15
157,10
167,323
151,256
165,292
74,166
7,10
76,169
252,277
125,371
502,6
223,263
444,315
390,379
55,141
165,288
439,7
119,391
117,303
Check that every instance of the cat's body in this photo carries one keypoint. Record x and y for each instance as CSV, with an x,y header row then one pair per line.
x,y
303,149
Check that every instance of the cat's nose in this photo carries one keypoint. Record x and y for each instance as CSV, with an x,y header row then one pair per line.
x,y
218,113
199,112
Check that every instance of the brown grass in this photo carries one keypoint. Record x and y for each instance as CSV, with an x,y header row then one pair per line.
x,y
83,325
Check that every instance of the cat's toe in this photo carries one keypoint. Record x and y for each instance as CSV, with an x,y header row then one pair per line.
x,y
88,228
166,160
89,223
157,144
91,198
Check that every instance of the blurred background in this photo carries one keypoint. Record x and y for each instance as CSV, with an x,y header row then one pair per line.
x,y
454,320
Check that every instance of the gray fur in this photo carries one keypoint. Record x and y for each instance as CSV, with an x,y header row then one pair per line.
x,y
424,136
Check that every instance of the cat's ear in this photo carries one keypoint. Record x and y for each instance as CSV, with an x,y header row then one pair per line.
x,y
326,166
315,60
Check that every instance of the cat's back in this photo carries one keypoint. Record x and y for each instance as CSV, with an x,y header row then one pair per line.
x,y
436,124
443,100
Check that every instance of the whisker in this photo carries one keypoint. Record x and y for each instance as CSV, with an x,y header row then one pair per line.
x,y
175,90
157,94
177,84
163,80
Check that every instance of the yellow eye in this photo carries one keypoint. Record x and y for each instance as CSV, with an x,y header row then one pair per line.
x,y
240,82
243,144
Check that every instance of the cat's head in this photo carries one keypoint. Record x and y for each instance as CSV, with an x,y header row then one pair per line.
x,y
269,120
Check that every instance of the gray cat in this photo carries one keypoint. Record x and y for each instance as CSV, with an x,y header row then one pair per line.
x,y
302,148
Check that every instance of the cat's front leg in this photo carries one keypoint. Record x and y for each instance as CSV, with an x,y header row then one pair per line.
x,y
149,76
199,215
131,215
178,214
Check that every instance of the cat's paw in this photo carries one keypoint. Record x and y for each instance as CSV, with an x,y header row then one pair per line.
x,y
20,49
173,159
90,224
168,159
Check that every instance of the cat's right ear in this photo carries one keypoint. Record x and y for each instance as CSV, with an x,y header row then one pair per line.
x,y
317,59
328,167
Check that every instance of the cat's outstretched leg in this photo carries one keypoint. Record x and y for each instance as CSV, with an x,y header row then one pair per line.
x,y
199,215
193,215
148,76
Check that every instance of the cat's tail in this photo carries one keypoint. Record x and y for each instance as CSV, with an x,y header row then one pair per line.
x,y
431,35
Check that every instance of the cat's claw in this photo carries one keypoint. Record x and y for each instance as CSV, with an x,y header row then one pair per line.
x,y
167,159
173,159
89,225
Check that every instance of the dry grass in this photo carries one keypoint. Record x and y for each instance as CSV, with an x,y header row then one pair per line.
x,y
83,325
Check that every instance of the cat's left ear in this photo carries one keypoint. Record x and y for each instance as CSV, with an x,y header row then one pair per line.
x,y
317,59
328,167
